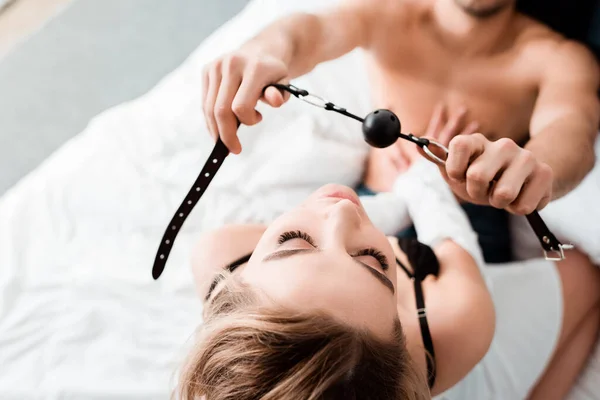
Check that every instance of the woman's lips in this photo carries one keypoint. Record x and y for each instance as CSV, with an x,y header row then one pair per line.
x,y
344,195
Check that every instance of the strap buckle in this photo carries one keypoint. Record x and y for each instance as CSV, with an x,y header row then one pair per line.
x,y
432,156
291,89
303,95
422,312
314,100
560,252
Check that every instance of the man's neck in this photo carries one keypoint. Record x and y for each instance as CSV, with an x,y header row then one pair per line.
x,y
469,35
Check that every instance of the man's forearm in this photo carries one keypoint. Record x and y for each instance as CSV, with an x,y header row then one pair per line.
x,y
302,41
567,146
288,39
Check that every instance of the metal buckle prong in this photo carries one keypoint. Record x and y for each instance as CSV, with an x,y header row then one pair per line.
x,y
560,252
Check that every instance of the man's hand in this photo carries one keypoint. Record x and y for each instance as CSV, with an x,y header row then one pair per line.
x,y
384,165
500,174
232,87
289,47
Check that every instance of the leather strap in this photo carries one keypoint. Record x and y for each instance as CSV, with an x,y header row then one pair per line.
x,y
212,165
425,332
549,242
417,264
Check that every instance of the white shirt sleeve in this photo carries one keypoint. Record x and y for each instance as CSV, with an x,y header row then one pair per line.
x,y
387,211
434,209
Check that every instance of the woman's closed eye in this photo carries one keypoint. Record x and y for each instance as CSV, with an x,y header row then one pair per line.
x,y
370,254
367,256
291,235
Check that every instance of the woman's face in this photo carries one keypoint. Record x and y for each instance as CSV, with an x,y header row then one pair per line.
x,y
327,255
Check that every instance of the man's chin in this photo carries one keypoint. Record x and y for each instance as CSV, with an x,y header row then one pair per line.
x,y
483,12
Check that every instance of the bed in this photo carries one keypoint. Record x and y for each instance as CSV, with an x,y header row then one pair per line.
x,y
80,316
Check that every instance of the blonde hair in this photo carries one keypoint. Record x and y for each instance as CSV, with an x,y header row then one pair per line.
x,y
248,351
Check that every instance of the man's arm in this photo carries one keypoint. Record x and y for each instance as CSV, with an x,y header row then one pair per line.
x,y
566,117
302,41
292,46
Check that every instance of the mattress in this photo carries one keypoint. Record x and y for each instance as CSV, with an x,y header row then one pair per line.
x,y
80,316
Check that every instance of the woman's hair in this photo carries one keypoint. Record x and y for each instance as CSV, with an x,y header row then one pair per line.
x,y
248,350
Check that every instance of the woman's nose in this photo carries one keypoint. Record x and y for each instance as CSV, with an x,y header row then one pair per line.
x,y
344,219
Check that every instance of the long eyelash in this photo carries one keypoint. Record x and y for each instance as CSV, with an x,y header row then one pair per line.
x,y
296,235
377,255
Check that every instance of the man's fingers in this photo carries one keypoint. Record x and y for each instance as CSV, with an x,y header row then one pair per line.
x,y
512,181
227,123
482,171
274,97
471,128
205,84
212,90
450,130
535,194
498,173
437,121
244,103
252,89
400,158
463,149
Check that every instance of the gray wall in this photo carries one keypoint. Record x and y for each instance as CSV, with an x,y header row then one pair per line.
x,y
96,54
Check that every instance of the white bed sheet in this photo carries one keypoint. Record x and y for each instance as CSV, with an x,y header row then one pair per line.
x,y
80,316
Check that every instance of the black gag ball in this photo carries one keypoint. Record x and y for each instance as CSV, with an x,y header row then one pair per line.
x,y
381,128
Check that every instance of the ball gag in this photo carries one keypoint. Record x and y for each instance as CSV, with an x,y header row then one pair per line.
x,y
381,128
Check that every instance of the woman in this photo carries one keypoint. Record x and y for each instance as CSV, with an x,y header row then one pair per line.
x,y
321,305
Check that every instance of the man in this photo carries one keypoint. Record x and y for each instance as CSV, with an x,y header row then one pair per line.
x,y
446,67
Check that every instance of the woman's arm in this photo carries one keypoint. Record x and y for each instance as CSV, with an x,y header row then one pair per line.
x,y
459,306
216,249
461,315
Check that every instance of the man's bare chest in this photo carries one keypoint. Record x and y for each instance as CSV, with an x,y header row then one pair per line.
x,y
498,93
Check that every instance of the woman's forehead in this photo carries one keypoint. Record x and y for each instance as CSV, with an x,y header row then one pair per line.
x,y
320,282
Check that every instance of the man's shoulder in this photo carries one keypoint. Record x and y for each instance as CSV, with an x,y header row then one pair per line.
x,y
539,42
534,36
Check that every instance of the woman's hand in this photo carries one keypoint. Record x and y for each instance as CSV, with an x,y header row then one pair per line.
x,y
384,165
443,127
232,87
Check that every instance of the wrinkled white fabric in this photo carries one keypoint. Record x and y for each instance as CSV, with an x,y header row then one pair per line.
x,y
434,210
80,316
